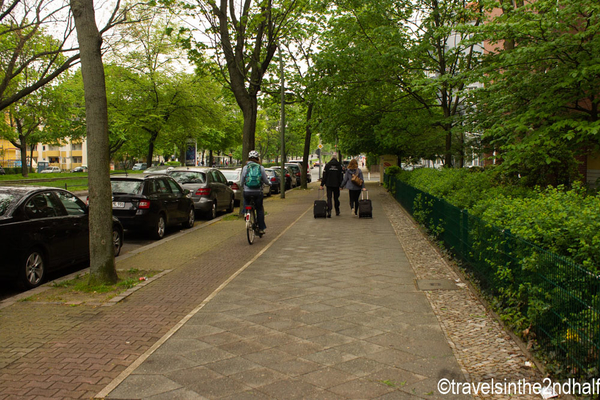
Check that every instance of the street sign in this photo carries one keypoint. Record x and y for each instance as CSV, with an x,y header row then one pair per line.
x,y
320,146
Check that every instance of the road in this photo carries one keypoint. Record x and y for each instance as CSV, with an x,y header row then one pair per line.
x,y
133,241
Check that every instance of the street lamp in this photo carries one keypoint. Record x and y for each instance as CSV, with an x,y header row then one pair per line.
x,y
282,125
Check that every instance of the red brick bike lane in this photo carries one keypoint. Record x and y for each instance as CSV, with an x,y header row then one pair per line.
x,y
54,351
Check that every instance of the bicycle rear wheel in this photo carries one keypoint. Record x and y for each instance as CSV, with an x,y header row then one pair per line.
x,y
250,226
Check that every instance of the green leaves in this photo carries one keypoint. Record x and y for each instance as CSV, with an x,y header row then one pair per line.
x,y
540,96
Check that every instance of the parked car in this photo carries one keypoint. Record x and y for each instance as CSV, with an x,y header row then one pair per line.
x,y
210,190
290,183
139,167
81,168
233,176
151,203
275,178
44,229
300,164
50,170
158,169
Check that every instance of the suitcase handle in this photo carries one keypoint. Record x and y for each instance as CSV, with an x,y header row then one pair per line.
x,y
362,195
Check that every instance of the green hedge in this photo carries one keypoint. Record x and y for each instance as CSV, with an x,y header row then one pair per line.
x,y
564,221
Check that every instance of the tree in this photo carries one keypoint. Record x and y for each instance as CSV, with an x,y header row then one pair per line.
x,y
26,45
245,36
102,258
395,72
539,105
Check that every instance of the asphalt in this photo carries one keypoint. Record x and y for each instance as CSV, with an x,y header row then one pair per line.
x,y
316,309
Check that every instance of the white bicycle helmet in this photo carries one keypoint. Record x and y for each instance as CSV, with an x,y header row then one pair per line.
x,y
253,154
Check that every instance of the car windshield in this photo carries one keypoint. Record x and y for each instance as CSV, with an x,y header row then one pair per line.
x,y
126,187
188,177
5,200
231,175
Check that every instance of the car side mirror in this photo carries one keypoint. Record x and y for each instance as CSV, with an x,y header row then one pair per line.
x,y
186,192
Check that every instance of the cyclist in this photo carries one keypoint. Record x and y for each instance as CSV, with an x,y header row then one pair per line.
x,y
252,179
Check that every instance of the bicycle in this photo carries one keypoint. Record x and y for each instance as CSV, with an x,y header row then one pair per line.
x,y
252,228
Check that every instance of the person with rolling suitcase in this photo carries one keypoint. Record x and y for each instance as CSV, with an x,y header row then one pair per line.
x,y
332,178
354,182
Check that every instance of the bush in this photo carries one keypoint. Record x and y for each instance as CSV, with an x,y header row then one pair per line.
x,y
560,220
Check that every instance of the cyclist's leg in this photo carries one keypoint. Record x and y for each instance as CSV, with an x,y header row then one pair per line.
x,y
260,212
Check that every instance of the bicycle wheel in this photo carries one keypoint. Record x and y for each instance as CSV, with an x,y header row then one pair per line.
x,y
250,226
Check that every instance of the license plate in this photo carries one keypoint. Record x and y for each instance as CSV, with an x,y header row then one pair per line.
x,y
118,204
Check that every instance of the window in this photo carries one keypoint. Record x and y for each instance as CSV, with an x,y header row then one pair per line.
x,y
42,205
126,187
161,186
174,187
5,201
218,177
72,204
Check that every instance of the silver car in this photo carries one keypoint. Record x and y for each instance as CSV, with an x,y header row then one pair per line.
x,y
234,176
210,190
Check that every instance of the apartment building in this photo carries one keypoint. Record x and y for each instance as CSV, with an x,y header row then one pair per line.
x,y
66,156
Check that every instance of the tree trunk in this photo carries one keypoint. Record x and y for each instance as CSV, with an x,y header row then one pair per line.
x,y
102,256
305,167
150,154
448,153
23,148
249,110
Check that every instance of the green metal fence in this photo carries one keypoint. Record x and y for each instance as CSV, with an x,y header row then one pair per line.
x,y
560,300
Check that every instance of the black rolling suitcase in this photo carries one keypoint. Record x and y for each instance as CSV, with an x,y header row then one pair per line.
x,y
320,207
365,208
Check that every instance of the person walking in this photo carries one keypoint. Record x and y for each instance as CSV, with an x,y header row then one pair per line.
x,y
253,177
354,182
332,178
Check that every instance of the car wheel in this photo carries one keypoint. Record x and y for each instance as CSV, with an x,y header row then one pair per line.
x,y
212,213
191,218
117,240
159,227
33,270
231,205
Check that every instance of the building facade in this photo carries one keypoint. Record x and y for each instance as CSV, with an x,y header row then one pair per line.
x,y
66,156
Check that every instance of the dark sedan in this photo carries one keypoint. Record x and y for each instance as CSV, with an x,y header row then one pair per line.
x,y
211,191
151,203
43,229
274,176
290,180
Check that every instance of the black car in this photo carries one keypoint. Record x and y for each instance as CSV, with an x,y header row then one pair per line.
x,y
81,168
151,203
43,229
210,189
290,180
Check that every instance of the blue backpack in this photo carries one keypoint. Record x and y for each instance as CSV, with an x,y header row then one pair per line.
x,y
253,176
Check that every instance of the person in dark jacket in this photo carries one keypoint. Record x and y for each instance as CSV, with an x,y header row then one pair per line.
x,y
332,178
353,189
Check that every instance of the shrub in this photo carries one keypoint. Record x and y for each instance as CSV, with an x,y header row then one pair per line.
x,y
560,220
